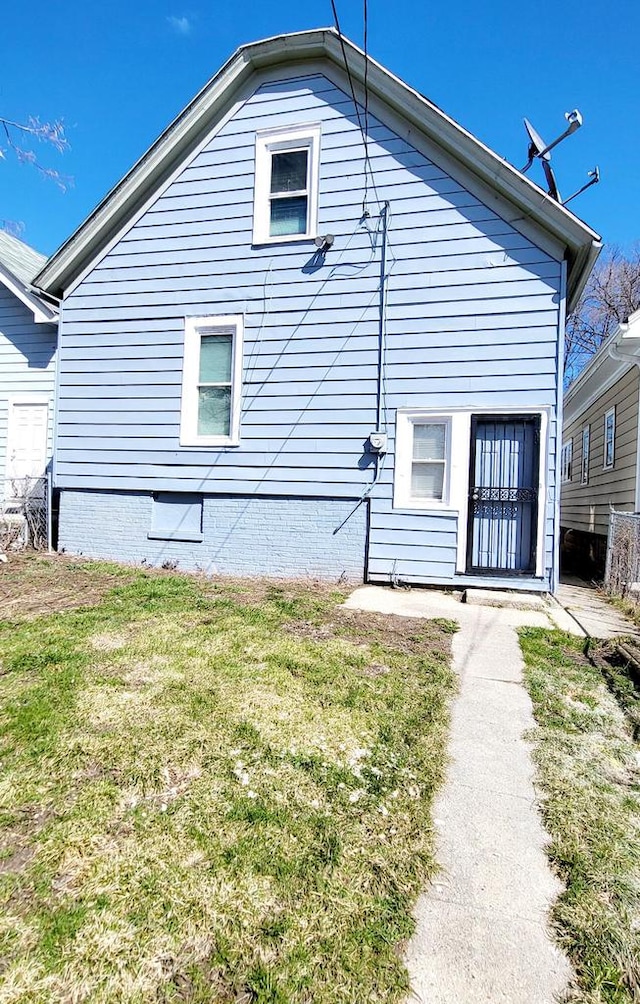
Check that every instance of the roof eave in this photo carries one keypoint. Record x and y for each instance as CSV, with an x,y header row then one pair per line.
x,y
43,313
582,243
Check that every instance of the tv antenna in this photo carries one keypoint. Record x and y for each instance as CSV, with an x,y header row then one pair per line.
x,y
539,150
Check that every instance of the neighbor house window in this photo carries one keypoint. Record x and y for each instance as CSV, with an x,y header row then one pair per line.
x,y
423,456
286,184
566,461
609,438
211,379
586,435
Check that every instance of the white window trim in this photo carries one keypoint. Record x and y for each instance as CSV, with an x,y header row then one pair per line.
x,y
586,455
193,328
566,462
451,495
605,465
275,141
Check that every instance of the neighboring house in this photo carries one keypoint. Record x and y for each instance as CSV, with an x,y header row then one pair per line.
x,y
288,352
601,447
28,331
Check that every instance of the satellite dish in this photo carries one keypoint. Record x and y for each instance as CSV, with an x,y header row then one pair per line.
x,y
537,146
539,150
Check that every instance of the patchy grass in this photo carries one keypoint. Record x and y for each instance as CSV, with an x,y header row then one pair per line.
x,y
213,791
589,770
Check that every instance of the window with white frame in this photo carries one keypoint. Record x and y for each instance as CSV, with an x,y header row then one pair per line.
x,y
423,459
211,381
586,445
286,184
609,438
566,461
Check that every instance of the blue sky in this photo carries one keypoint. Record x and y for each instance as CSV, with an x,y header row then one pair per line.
x,y
117,73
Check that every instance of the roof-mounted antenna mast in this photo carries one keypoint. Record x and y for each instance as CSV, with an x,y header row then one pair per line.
x,y
539,150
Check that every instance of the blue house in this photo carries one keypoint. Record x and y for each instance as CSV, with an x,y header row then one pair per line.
x,y
306,336
28,334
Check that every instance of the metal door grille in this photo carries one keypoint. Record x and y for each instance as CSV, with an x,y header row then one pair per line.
x,y
503,494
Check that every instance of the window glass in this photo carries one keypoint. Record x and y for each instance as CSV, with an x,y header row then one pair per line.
x,y
214,411
289,171
585,455
428,460
609,438
216,353
288,216
429,441
427,481
566,461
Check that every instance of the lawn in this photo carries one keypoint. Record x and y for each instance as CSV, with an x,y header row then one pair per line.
x,y
211,791
589,775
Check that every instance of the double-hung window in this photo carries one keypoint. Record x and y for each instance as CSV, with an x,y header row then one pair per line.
x,y
609,439
423,459
566,461
211,379
286,185
586,446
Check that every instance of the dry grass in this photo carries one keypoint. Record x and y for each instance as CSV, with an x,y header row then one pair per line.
x,y
211,791
589,770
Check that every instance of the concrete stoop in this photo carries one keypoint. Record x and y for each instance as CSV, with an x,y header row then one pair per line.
x,y
504,598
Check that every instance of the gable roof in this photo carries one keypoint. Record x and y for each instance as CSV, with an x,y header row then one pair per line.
x,y
201,114
18,265
613,358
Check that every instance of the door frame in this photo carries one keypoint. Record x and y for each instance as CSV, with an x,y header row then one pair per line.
x,y
503,418
463,520
24,399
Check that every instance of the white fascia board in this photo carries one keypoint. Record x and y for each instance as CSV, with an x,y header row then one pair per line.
x,y
583,244
42,312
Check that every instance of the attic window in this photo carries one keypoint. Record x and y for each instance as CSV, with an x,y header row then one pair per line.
x,y
286,185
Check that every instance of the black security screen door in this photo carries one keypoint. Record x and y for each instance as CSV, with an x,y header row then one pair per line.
x,y
503,494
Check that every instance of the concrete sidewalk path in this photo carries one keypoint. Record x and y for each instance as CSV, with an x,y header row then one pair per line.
x,y
482,928
595,616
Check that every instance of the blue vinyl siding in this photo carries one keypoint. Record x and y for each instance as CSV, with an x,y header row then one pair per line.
x,y
27,364
472,321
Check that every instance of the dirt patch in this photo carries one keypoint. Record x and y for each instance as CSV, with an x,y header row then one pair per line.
x,y
35,584
409,635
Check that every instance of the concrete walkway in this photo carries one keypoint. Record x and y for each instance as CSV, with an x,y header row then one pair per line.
x,y
482,934
595,616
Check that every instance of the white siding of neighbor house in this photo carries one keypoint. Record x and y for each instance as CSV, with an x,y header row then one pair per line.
x,y
27,365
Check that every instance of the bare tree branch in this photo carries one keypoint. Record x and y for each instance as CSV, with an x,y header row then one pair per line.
x,y
19,137
611,294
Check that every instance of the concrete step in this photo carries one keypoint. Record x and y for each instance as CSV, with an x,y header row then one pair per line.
x,y
504,598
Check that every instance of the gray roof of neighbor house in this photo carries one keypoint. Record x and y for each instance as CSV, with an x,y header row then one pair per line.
x,y
19,263
582,245
19,258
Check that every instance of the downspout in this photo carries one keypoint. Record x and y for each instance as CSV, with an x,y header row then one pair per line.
x,y
54,432
555,570
382,313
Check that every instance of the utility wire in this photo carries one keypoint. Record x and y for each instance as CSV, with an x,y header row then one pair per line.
x,y
346,65
365,137
364,128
